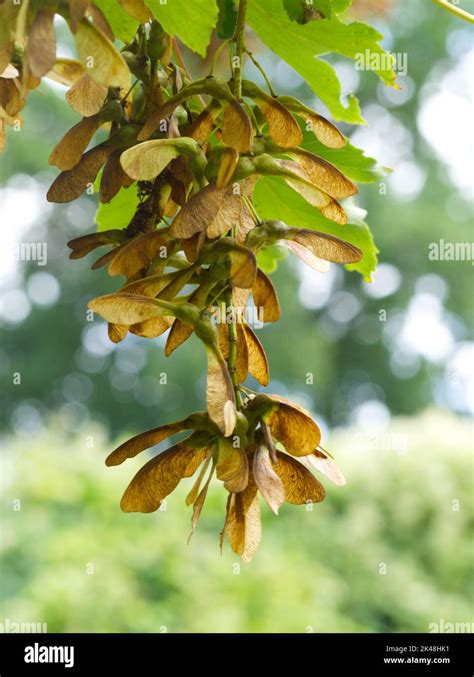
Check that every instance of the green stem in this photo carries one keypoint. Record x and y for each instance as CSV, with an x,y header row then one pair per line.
x,y
239,39
244,389
182,63
233,339
252,210
216,56
216,297
251,115
264,75
124,99
454,9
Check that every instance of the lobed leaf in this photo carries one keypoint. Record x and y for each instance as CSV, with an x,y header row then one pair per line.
x,y
192,22
316,38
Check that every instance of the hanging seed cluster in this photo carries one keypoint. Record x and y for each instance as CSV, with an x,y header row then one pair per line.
x,y
195,149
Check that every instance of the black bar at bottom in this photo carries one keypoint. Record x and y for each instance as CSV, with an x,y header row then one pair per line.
x,y
367,654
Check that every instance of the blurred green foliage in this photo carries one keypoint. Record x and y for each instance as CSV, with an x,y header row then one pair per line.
x,y
73,560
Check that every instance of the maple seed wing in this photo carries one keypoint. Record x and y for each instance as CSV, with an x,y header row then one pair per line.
x,y
86,96
257,359
68,152
229,160
237,130
198,503
232,466
160,476
300,485
326,247
323,130
293,427
324,175
70,184
139,443
265,298
146,160
42,43
243,527
103,62
267,480
66,71
212,209
220,392
327,466
126,309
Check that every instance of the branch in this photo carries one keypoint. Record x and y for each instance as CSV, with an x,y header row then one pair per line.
x,y
239,39
454,9
233,346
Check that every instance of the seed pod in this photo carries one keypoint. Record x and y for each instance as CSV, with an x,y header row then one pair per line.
x,y
243,527
232,466
66,71
229,160
108,66
68,152
86,96
212,209
42,43
160,476
282,126
324,130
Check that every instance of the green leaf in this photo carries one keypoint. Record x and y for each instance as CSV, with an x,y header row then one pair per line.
x,y
267,259
351,160
122,24
118,213
273,199
227,19
272,24
191,20
294,9
337,6
327,8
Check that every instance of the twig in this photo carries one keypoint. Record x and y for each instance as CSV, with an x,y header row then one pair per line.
x,y
454,9
264,75
180,60
233,345
217,54
239,39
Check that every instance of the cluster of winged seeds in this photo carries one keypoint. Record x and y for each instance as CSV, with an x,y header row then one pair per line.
x,y
194,150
